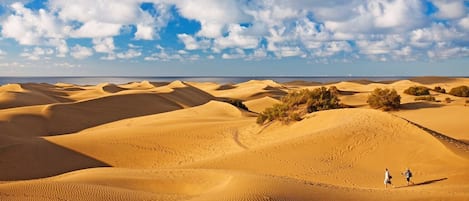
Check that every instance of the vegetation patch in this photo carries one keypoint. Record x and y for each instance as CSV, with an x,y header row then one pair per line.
x,y
448,100
417,91
298,103
439,89
384,99
461,91
237,103
426,98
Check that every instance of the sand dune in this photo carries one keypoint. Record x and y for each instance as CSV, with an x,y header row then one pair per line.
x,y
174,141
18,95
260,104
245,91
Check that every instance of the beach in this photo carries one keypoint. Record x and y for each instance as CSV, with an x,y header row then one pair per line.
x,y
182,141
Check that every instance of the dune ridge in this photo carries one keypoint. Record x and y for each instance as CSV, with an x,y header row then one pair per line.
x,y
178,141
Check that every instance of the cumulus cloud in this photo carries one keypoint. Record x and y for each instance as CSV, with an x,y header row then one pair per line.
x,y
164,55
231,29
464,23
104,45
30,27
212,15
37,53
95,29
80,52
450,9
191,43
236,54
129,54
237,38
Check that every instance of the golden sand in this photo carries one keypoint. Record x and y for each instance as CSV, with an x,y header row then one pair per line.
x,y
178,141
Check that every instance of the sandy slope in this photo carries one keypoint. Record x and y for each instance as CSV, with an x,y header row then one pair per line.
x,y
172,141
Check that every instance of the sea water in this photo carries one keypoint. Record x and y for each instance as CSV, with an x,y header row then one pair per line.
x,y
220,80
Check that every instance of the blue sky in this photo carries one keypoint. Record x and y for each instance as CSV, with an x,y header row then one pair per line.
x,y
234,38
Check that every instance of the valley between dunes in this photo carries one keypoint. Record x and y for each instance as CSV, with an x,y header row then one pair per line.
x,y
180,141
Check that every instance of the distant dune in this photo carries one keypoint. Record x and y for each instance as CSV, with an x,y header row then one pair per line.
x,y
179,141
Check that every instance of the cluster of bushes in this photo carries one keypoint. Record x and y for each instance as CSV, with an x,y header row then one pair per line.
x,y
426,98
384,99
461,91
439,90
237,103
417,91
301,102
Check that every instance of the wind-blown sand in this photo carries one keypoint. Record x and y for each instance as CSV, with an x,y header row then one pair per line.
x,y
180,141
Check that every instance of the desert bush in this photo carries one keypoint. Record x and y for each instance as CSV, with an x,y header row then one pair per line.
x,y
237,103
426,98
448,100
461,91
298,103
385,99
417,91
439,90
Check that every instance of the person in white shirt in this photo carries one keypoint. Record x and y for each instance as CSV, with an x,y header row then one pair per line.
x,y
387,178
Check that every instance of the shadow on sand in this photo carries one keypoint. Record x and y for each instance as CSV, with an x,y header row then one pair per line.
x,y
424,183
39,158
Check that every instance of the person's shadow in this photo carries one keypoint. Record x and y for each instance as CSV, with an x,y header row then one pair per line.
x,y
424,183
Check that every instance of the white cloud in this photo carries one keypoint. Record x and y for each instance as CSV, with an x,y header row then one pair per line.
x,y
436,33
12,65
372,16
464,23
105,11
31,27
445,51
109,57
163,55
191,43
258,54
212,15
144,32
95,29
37,53
237,38
66,65
104,45
61,46
129,54
288,51
313,29
450,9
236,54
80,52
2,54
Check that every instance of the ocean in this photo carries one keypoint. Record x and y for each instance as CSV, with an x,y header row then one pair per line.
x,y
221,80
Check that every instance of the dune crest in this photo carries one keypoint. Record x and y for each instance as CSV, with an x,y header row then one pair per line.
x,y
178,141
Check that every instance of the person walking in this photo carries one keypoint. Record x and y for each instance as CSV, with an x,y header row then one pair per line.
x,y
408,175
387,178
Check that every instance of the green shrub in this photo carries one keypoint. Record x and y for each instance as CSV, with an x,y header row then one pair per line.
x,y
461,91
384,99
439,90
417,91
237,103
448,100
426,98
298,103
